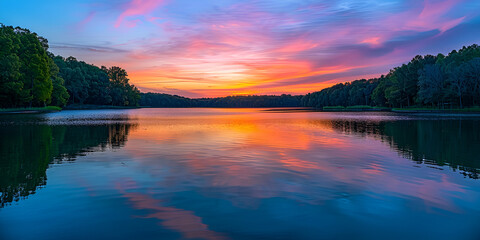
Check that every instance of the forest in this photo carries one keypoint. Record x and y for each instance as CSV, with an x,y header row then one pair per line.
x,y
31,76
252,101
451,81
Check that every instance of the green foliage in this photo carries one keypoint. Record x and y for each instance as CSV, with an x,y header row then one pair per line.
x,y
24,68
437,81
91,85
31,76
431,83
122,93
344,94
165,100
59,94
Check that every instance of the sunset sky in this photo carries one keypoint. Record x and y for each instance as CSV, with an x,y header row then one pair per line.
x,y
200,48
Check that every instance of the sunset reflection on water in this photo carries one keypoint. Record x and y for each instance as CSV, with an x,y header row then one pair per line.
x,y
251,173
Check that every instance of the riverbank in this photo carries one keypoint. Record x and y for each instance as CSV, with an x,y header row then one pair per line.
x,y
93,107
472,110
50,109
360,108
33,110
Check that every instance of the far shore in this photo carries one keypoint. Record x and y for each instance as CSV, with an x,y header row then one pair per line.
x,y
50,109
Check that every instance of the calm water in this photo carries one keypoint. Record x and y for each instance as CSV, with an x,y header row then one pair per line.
x,y
238,174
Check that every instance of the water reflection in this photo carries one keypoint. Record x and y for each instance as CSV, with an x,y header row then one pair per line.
x,y
455,143
185,222
242,174
27,150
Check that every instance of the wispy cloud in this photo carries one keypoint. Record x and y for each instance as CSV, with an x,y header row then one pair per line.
x,y
88,48
137,8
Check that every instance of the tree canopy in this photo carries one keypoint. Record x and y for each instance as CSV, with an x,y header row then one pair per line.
x,y
435,81
32,76
24,68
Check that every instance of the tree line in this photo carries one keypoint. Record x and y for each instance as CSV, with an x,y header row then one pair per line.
x,y
30,76
427,81
252,101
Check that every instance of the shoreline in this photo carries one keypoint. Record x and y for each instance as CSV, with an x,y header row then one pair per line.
x,y
51,109
95,107
34,110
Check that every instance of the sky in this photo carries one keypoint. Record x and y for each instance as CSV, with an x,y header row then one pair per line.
x,y
200,48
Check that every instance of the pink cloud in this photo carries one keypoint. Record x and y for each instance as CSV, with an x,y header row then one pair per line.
x,y
85,21
138,7
433,17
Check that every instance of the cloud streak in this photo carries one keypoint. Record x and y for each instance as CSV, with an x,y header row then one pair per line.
x,y
137,8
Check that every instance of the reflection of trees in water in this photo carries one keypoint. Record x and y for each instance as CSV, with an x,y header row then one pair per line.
x,y
73,141
455,143
27,150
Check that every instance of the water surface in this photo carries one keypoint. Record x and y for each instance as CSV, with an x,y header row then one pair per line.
x,y
238,174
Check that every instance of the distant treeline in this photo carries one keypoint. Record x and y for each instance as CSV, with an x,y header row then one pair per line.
x,y
32,76
253,101
433,81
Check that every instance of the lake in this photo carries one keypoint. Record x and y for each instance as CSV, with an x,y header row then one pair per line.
x,y
238,174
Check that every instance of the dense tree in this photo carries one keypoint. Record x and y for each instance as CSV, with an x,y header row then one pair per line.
x,y
24,68
344,94
59,94
89,84
438,81
123,94
431,85
378,94
165,100
31,76
464,81
75,82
